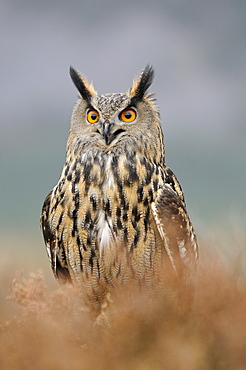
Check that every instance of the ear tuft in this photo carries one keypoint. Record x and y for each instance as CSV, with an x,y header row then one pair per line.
x,y
85,89
142,83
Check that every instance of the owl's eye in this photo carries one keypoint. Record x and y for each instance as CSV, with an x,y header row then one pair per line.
x,y
128,115
92,116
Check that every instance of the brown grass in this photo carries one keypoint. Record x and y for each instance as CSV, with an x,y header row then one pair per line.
x,y
52,331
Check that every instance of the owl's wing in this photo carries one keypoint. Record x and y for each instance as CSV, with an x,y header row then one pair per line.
x,y
55,249
175,228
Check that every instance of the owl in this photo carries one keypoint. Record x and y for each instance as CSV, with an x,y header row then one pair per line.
x,y
117,215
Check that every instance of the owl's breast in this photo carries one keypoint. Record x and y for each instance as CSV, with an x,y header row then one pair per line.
x,y
103,202
124,202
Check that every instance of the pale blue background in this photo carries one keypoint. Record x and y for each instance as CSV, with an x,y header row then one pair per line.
x,y
198,50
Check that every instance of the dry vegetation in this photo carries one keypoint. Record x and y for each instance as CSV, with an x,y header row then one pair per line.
x,y
52,331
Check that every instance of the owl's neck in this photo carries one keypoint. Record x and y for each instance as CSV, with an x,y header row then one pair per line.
x,y
111,170
127,150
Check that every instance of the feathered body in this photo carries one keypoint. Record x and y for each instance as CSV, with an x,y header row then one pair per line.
x,y
117,213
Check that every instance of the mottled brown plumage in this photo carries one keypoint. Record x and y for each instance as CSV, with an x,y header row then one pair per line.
x,y
117,214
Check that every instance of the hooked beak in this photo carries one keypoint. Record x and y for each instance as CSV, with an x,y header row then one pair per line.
x,y
106,132
108,135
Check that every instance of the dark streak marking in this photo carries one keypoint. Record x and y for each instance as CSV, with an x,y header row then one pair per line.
x,y
127,182
76,200
78,242
81,259
145,202
73,187
140,193
133,176
87,220
98,269
118,211
148,178
114,165
88,241
92,255
151,195
75,164
75,226
87,171
147,219
136,237
66,170
119,224
136,213
155,184
125,216
94,202
125,235
106,207
59,221
77,176
62,195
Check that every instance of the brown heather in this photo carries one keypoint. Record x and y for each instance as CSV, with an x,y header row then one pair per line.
x,y
52,331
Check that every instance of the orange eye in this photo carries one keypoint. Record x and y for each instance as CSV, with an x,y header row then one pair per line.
x,y
128,115
92,116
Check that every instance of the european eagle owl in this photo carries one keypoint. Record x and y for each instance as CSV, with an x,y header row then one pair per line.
x,y
117,214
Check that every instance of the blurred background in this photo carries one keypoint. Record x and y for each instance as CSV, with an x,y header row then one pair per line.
x,y
198,51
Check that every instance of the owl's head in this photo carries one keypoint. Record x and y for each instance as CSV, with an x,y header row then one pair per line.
x,y
119,121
